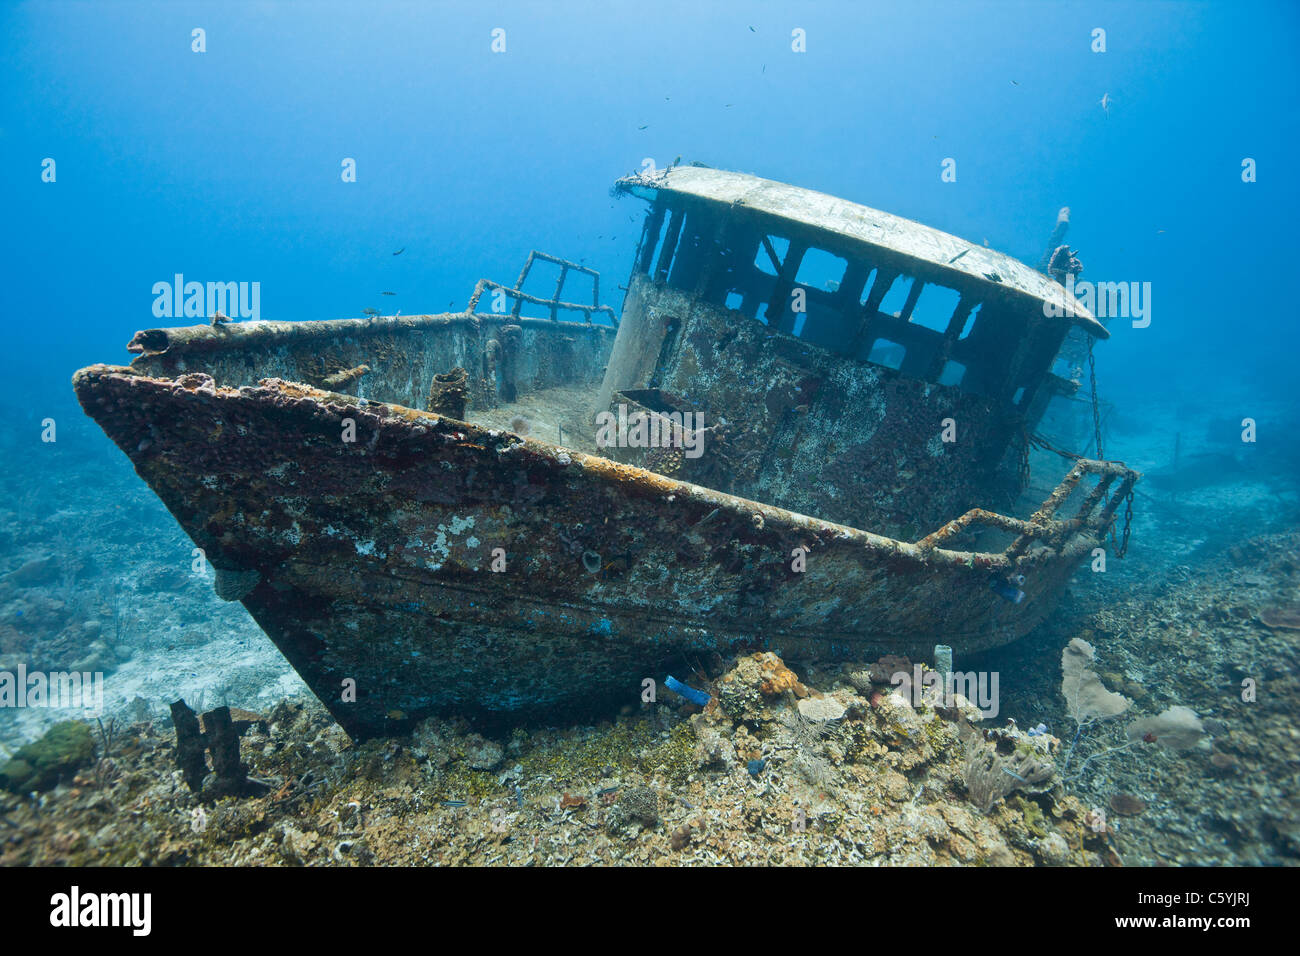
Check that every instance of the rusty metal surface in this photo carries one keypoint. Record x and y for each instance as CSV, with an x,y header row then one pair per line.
x,y
813,431
556,302
371,560
945,253
438,566
504,355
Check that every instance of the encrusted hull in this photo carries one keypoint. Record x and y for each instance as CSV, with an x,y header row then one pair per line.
x,y
437,567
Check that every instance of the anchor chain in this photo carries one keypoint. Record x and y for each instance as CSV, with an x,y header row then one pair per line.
x,y
1121,548
1096,406
1118,543
1023,463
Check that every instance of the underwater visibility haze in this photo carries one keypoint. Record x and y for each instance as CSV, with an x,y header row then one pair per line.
x,y
559,434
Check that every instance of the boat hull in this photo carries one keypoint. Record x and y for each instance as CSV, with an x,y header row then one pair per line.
x,y
430,566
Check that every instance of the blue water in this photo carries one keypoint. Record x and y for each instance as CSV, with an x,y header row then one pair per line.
x,y
226,165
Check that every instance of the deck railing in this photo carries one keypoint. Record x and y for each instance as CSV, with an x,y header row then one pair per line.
x,y
555,303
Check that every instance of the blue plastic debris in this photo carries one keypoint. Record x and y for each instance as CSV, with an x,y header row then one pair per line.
x,y
756,767
690,693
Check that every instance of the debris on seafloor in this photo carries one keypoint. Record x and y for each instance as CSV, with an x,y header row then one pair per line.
x,y
690,693
217,734
672,784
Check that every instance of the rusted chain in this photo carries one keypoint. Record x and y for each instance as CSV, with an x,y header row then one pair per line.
x,y
1096,405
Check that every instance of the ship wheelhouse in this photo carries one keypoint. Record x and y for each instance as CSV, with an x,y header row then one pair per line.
x,y
834,340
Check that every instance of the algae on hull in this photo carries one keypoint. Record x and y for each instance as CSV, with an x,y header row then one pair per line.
x,y
408,563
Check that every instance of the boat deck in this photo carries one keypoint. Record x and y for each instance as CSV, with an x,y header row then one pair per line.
x,y
559,415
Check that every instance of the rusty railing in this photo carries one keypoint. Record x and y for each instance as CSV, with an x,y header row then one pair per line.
x,y
1043,525
555,303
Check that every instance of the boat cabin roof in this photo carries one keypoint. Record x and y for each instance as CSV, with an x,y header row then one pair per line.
x,y
941,251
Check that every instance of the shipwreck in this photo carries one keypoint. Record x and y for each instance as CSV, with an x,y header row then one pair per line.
x,y
417,511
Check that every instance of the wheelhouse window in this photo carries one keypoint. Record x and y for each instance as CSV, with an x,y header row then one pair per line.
x,y
935,307
822,289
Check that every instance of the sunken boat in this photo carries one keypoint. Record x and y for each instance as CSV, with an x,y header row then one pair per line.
x,y
460,513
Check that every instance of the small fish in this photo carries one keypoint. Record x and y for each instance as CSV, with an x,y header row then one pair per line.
x,y
1105,103
606,791
388,293
1014,83
1012,773
958,256
400,251
453,803
370,311
752,30
643,127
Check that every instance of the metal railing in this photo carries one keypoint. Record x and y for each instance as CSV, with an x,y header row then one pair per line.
x,y
555,303
1043,525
